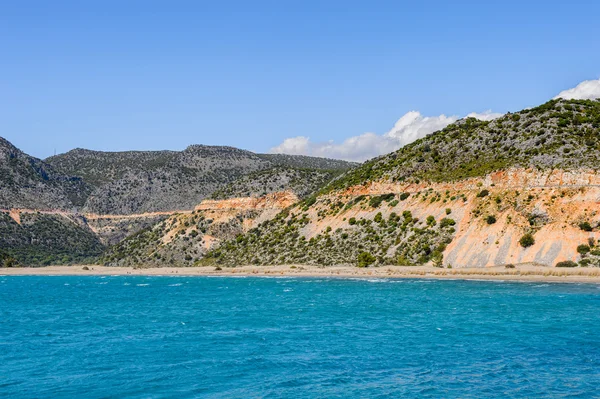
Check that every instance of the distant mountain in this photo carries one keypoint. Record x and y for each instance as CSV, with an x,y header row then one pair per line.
x,y
91,199
150,181
306,162
27,182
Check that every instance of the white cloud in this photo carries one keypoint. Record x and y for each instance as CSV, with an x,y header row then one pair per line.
x,y
485,115
410,127
586,90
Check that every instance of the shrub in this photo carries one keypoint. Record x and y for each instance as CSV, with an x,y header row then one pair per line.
x,y
583,249
404,196
376,201
483,193
430,220
448,211
352,221
310,201
527,240
585,226
365,259
509,266
446,222
491,219
378,218
566,263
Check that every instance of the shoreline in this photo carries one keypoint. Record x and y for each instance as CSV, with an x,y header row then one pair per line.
x,y
531,273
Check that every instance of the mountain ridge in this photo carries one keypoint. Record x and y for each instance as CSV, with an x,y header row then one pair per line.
x,y
93,199
473,194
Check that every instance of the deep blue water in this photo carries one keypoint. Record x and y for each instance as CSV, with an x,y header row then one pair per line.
x,y
184,337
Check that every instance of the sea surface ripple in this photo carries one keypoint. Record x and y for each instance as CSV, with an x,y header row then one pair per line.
x,y
220,337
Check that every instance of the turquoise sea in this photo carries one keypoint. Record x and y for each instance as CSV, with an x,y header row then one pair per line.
x,y
226,337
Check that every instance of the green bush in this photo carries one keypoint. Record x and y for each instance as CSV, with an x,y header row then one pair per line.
x,y
352,221
527,240
430,220
566,263
491,219
585,226
365,259
446,222
378,218
404,196
483,193
376,201
583,249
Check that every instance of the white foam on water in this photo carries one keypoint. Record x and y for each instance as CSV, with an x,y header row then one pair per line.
x,y
175,285
142,285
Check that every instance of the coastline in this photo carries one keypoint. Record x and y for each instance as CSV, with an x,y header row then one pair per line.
x,y
533,273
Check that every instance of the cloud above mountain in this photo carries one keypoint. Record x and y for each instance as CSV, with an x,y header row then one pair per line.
x,y
586,90
410,127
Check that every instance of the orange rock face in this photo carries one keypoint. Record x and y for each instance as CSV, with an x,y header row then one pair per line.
x,y
278,200
549,204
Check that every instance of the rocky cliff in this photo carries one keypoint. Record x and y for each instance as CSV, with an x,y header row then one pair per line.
x,y
522,188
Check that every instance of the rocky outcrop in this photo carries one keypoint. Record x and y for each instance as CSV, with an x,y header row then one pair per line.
x,y
183,238
485,219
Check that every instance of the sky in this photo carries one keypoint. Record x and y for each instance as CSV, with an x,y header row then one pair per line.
x,y
344,79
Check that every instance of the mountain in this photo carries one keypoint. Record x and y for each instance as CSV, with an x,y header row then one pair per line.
x,y
561,134
40,238
69,207
136,182
523,188
184,239
27,182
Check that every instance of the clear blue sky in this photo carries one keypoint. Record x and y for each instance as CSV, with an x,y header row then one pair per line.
x,y
118,75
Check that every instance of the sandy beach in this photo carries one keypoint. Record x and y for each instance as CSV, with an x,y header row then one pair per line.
x,y
519,273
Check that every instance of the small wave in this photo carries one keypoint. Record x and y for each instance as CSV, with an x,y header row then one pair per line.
x,y
127,284
175,285
65,283
142,285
